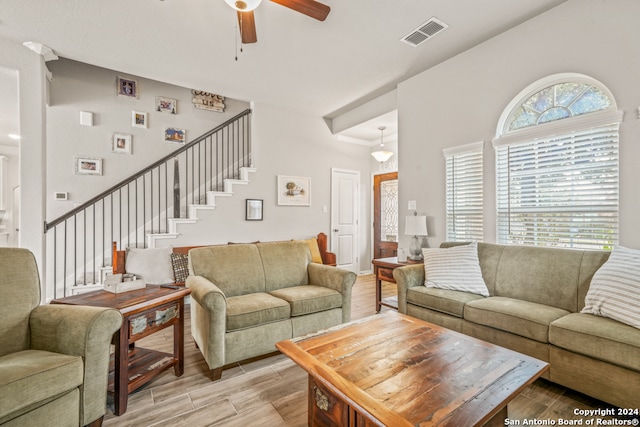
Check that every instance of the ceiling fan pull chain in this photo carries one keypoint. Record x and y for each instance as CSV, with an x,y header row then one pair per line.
x,y
235,46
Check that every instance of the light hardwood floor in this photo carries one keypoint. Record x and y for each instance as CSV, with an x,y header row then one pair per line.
x,y
272,392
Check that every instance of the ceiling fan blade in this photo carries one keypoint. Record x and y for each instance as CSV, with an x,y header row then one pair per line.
x,y
247,24
310,8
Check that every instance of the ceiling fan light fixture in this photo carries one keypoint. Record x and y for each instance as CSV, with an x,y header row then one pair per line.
x,y
243,5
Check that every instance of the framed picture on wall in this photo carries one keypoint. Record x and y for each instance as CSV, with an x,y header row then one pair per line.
x,y
254,210
121,143
127,87
294,190
176,136
88,166
166,105
139,119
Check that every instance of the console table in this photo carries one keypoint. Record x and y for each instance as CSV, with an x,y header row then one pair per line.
x,y
383,269
145,312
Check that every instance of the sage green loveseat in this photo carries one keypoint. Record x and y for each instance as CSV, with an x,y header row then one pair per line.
x,y
54,359
534,308
247,297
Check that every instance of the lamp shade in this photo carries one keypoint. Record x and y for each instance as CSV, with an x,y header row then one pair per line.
x,y
243,5
415,225
382,156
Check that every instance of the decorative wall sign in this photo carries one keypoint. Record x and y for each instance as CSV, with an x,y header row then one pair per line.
x,y
88,166
294,190
254,210
127,87
176,136
208,101
121,143
139,119
166,105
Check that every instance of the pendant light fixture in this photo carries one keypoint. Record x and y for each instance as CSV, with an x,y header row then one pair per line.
x,y
382,155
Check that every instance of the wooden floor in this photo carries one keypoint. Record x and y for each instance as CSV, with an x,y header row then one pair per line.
x,y
272,392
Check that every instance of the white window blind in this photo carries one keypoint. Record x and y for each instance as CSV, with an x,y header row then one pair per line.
x,y
559,191
464,203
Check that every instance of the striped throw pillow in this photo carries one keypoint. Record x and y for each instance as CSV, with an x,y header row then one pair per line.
x,y
456,268
614,291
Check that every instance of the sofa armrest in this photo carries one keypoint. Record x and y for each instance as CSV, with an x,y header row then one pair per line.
x,y
208,319
334,278
79,331
407,277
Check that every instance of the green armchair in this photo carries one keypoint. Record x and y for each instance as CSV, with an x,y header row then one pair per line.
x,y
54,359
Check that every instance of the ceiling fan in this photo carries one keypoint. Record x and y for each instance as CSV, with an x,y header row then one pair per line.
x,y
245,8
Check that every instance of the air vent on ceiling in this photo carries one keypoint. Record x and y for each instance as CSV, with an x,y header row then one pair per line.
x,y
424,32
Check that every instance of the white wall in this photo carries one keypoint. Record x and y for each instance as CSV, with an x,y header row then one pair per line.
x,y
461,100
81,87
287,143
32,93
284,143
7,222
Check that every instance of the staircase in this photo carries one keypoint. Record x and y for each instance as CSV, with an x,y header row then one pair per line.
x,y
147,207
193,209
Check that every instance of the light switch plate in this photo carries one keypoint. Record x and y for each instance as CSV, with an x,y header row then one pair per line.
x,y
412,205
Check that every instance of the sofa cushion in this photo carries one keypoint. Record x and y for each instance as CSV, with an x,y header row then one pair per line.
x,y
527,319
245,311
31,376
615,288
308,299
285,263
20,289
235,269
547,276
442,300
456,268
153,264
597,337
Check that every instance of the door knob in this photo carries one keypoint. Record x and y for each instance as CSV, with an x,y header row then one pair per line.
x,y
335,230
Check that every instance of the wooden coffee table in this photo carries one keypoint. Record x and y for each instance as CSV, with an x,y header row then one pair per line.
x,y
394,370
145,312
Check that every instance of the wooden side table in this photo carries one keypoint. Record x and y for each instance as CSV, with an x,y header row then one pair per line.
x,y
383,269
145,312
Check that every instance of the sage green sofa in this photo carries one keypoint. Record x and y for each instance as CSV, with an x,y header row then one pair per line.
x,y
247,297
536,295
54,359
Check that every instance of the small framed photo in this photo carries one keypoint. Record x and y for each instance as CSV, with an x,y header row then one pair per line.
x,y
176,136
294,190
88,166
127,87
166,105
121,143
254,210
139,119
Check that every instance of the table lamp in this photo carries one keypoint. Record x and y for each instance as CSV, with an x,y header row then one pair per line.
x,y
415,226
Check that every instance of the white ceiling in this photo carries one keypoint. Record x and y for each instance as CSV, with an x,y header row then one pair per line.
x,y
319,68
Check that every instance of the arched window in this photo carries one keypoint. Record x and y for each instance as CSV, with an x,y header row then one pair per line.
x,y
557,165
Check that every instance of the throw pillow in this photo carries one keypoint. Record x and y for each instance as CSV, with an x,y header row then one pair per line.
x,y
153,265
180,263
614,291
456,268
315,250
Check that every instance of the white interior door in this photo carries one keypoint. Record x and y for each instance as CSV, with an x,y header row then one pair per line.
x,y
345,198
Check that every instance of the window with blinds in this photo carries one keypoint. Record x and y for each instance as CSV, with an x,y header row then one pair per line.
x,y
464,202
557,165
